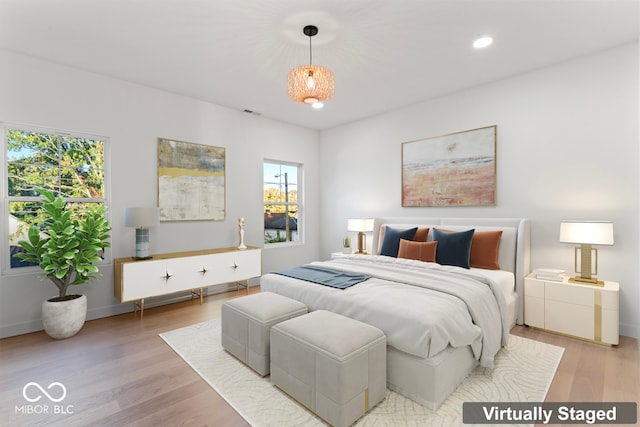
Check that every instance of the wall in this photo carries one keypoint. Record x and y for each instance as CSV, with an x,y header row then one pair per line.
x,y
133,117
567,149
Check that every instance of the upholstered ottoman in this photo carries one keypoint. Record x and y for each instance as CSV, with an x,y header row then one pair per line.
x,y
333,365
246,323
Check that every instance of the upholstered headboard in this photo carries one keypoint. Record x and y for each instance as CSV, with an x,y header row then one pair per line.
x,y
514,253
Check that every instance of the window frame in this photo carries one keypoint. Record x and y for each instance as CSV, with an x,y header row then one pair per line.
x,y
5,199
299,203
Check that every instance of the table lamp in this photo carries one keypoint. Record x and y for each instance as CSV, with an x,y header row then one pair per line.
x,y
142,219
361,225
586,233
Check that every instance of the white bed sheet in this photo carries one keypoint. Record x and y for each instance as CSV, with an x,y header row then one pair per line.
x,y
404,314
505,282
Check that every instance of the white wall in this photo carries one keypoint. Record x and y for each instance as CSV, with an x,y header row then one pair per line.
x,y
133,117
567,149
554,126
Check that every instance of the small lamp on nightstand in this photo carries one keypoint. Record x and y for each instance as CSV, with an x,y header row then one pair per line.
x,y
586,233
142,219
361,225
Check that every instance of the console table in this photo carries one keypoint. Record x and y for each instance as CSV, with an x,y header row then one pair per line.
x,y
165,274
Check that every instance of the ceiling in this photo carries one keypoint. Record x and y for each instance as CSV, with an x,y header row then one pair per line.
x,y
385,54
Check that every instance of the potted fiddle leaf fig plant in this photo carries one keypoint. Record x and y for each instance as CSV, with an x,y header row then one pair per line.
x,y
66,247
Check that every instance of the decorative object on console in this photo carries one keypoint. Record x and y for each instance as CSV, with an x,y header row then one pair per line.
x,y
346,245
458,169
142,219
191,181
586,233
311,83
552,274
241,232
361,225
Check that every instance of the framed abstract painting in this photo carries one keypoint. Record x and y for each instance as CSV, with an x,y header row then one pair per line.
x,y
458,169
191,181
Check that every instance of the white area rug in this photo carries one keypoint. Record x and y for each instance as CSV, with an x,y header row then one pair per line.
x,y
523,373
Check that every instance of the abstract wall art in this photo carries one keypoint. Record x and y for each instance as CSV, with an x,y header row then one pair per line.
x,y
458,169
191,181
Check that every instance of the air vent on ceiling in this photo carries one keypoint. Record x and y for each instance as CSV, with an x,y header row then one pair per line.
x,y
255,113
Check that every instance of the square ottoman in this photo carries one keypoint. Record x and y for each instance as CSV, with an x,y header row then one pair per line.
x,y
333,365
246,324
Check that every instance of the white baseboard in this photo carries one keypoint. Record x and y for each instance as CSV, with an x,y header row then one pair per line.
x,y
35,325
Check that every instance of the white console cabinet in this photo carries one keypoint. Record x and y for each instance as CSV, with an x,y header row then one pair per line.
x,y
582,311
165,274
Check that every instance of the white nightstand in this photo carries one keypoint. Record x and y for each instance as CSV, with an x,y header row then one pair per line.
x,y
581,311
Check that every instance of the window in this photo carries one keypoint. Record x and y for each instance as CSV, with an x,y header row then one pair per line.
x,y
70,165
282,202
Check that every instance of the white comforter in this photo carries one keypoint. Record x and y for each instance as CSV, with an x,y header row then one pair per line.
x,y
421,307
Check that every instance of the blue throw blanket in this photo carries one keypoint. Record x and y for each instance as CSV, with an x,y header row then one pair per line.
x,y
324,276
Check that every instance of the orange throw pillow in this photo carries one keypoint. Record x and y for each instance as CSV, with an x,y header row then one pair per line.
x,y
484,249
421,251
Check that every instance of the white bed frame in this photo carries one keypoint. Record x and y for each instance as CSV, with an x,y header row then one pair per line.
x,y
515,245
430,381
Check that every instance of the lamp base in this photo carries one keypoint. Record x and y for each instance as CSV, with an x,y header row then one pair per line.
x,y
362,244
142,244
142,258
586,281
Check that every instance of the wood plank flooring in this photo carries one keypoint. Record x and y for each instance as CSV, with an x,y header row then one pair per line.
x,y
118,372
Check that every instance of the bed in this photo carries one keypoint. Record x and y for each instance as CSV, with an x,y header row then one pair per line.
x,y
441,320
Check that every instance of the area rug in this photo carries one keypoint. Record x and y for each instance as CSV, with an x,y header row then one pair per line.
x,y
523,373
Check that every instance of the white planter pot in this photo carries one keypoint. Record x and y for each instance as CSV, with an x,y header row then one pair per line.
x,y
63,319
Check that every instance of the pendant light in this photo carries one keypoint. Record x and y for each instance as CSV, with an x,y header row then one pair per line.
x,y
311,83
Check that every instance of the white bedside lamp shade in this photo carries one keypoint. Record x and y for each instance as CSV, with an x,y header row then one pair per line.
x,y
361,225
586,233
142,219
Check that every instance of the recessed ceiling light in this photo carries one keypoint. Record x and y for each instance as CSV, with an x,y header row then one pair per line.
x,y
482,42
317,105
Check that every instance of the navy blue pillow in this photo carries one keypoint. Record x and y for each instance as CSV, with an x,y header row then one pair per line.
x,y
391,240
454,248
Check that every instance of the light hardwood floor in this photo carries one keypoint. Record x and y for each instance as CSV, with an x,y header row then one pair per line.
x,y
118,372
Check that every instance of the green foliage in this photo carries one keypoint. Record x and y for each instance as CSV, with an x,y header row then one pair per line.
x,y
70,247
270,238
70,166
274,195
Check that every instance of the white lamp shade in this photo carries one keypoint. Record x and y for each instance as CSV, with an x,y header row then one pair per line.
x,y
587,232
360,224
141,217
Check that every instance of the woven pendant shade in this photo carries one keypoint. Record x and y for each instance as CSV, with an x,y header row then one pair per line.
x,y
311,83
